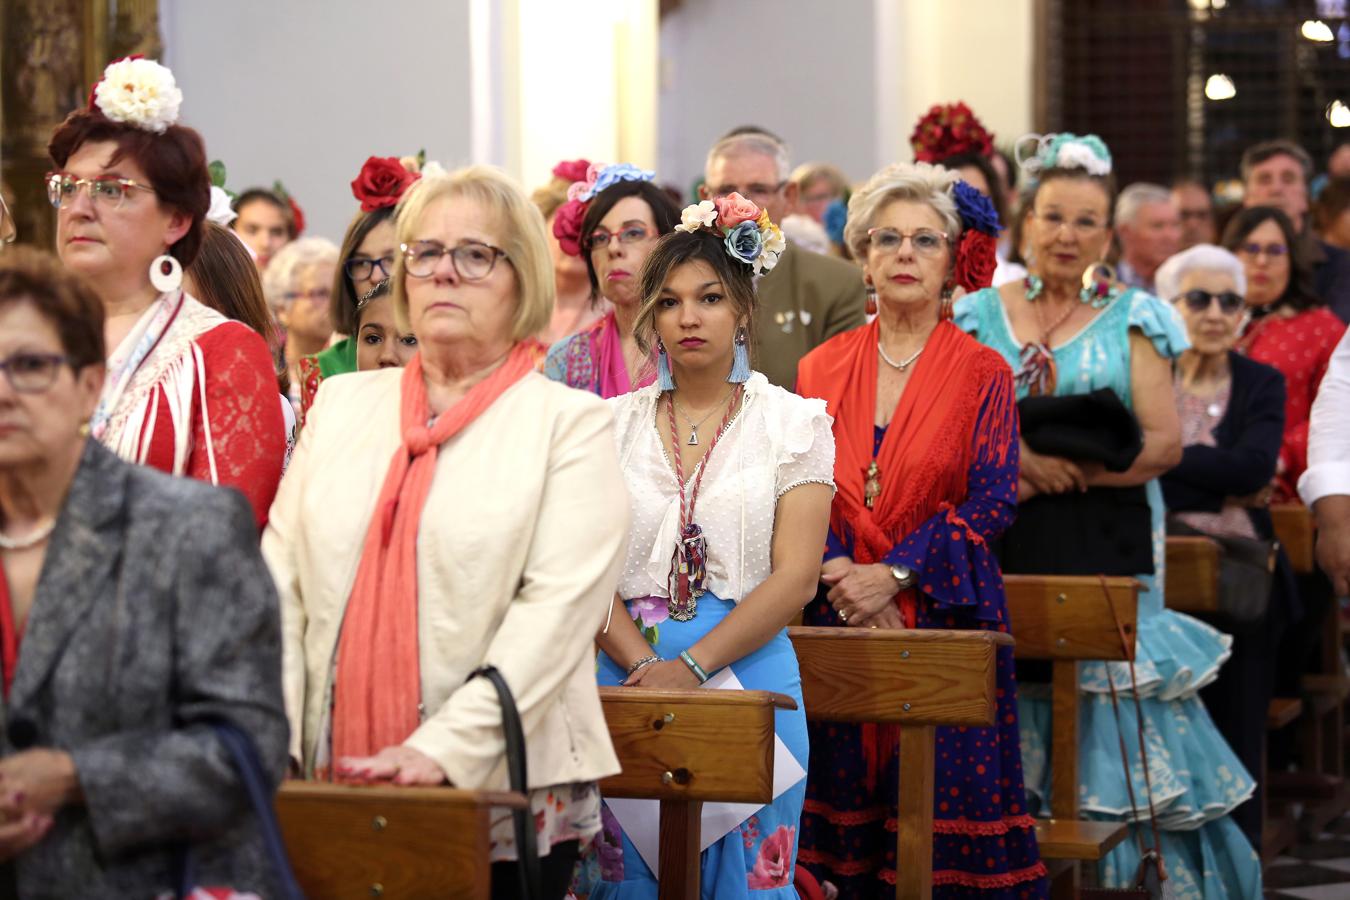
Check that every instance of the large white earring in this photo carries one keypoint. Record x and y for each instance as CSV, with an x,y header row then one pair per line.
x,y
166,274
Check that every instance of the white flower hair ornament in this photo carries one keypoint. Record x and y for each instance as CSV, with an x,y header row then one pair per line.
x,y
138,92
1037,153
747,234
221,211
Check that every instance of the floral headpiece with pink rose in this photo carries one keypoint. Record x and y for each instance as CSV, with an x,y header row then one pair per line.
x,y
567,221
139,92
949,130
747,233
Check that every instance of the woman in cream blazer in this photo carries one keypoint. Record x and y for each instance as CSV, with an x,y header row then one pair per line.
x,y
517,547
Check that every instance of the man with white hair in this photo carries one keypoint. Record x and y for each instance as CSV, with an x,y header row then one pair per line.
x,y
1148,225
807,298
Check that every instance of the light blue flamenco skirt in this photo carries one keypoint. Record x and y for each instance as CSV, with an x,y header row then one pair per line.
x,y
1196,778
757,858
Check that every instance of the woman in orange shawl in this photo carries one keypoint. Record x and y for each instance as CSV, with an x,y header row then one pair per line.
x,y
925,427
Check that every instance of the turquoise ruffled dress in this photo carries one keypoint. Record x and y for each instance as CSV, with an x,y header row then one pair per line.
x,y
1196,778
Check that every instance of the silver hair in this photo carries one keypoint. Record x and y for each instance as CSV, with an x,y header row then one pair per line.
x,y
1136,197
1201,257
917,182
293,258
751,142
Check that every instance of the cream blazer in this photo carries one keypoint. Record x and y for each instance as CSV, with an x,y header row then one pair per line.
x,y
518,556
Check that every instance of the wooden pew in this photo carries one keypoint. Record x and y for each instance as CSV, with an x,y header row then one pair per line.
x,y
685,748
914,679
1066,619
1295,532
1192,575
363,842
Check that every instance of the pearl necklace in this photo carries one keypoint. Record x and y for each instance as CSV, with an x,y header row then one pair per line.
x,y
32,539
902,366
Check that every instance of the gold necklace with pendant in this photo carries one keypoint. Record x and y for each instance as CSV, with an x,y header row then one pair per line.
x,y
693,426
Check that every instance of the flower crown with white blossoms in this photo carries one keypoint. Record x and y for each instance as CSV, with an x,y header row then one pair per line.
x,y
138,92
745,229
567,221
1062,151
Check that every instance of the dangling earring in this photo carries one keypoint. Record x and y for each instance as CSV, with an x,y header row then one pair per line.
x,y
1100,287
740,361
166,274
664,379
871,300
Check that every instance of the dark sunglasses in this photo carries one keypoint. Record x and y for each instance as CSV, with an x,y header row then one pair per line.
x,y
1199,301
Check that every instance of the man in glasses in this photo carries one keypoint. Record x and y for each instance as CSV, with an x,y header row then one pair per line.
x,y
1276,173
808,297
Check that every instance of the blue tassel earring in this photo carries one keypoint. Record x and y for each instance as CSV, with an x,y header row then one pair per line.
x,y
740,362
664,380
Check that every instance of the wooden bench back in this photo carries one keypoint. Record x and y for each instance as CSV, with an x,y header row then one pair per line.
x,y
1066,619
363,842
1294,528
684,748
917,680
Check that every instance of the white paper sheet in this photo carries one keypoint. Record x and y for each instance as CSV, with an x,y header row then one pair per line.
x,y
641,819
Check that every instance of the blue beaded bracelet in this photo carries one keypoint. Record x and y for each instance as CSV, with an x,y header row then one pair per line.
x,y
694,667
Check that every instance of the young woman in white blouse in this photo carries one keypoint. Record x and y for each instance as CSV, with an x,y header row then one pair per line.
x,y
731,480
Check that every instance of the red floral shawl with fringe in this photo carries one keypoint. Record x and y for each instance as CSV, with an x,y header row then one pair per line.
x,y
924,458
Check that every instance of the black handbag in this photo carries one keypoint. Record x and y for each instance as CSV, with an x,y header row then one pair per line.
x,y
527,841
1246,574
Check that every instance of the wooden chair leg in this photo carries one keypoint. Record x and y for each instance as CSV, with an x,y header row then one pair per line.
x,y
914,830
680,831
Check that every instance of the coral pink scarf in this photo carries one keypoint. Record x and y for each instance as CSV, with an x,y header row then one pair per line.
x,y
378,682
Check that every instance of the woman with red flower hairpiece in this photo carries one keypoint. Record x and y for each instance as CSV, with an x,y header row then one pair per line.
x,y
926,444
188,390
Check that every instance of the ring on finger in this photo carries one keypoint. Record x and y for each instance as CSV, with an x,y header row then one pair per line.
x,y
843,616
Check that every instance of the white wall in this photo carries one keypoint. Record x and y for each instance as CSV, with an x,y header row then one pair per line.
x,y
801,68
305,90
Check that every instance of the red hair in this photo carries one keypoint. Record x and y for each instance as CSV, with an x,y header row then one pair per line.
x,y
174,161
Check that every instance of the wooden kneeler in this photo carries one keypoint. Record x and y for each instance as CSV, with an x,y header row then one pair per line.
x,y
685,748
914,679
1066,619
363,842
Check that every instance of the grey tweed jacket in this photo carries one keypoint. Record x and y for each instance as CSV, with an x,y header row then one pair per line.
x,y
154,613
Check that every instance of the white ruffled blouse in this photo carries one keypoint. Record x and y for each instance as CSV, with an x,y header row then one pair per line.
x,y
776,442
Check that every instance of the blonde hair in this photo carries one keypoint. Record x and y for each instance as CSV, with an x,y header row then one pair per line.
x,y
808,173
517,221
915,182
550,196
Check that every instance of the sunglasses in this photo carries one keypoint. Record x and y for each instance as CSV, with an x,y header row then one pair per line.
x,y
1199,301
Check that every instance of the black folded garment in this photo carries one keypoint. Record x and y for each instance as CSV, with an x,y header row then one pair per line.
x,y
1106,530
1093,427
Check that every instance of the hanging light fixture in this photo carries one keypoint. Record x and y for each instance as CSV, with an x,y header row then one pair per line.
x,y
1220,87
1338,114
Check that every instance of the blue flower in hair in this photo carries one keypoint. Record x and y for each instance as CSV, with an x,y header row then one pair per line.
x,y
835,218
613,174
976,210
744,242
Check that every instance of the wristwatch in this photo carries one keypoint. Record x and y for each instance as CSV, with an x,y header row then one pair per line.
x,y
904,577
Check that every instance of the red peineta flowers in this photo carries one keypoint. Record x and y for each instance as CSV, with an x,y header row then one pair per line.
x,y
976,259
381,182
949,130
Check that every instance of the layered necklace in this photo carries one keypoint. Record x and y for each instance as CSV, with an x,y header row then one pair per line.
x,y
1037,372
689,564
872,483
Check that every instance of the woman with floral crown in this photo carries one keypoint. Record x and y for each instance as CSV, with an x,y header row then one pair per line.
x,y
188,391
612,220
730,481
1070,329
925,433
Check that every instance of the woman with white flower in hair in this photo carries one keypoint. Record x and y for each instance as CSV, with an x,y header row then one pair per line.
x,y
1069,329
730,480
188,390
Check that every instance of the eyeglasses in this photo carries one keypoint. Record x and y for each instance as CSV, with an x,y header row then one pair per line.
x,y
629,234
8,230
361,268
1198,301
32,373
316,295
925,241
1274,251
756,192
1080,225
106,191
471,261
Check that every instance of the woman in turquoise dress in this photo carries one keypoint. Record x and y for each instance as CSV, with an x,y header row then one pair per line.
x,y
1063,338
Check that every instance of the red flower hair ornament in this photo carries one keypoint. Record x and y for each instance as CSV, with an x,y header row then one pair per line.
x,y
949,130
381,182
